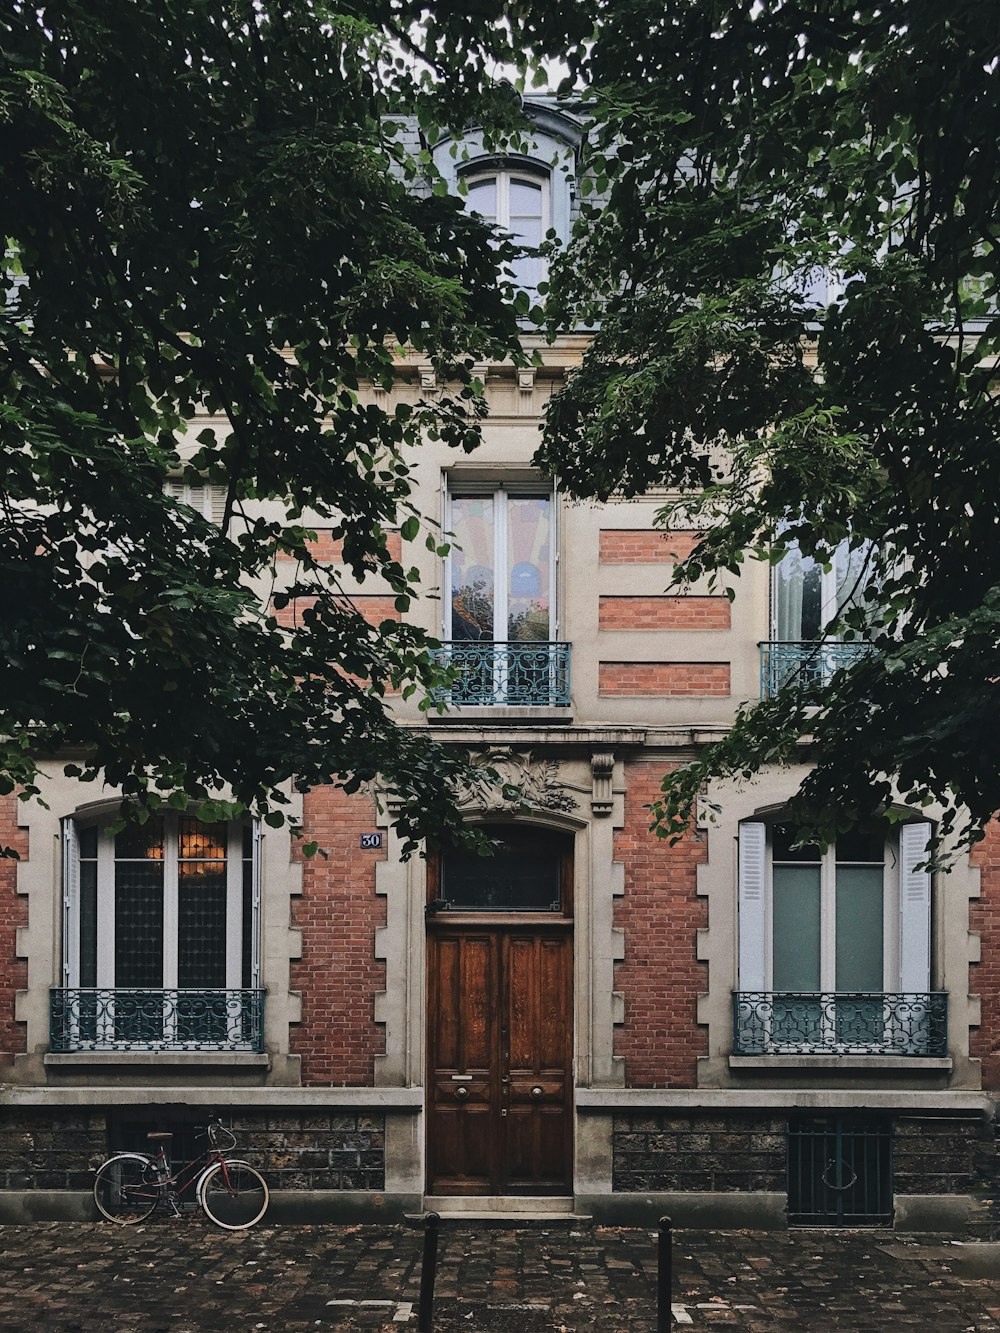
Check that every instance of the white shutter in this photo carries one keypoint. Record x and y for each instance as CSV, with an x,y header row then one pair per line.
x,y
753,901
71,904
914,909
257,846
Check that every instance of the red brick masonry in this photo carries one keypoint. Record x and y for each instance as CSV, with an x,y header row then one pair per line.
x,y
984,979
13,914
663,679
330,549
664,613
338,913
661,914
628,546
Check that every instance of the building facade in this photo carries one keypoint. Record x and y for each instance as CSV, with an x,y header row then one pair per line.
x,y
735,1030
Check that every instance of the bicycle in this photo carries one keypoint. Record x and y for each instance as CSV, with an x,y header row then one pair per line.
x,y
230,1192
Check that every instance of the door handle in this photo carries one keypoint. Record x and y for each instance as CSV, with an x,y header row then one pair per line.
x,y
461,1092
537,1092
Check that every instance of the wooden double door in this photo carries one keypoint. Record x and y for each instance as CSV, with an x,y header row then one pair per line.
x,y
500,1048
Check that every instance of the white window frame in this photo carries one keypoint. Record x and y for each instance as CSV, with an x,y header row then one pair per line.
x,y
105,909
502,491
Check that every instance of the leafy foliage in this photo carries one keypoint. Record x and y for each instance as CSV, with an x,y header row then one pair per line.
x,y
220,209
744,152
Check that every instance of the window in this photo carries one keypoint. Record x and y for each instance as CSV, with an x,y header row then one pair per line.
x,y
501,573
529,871
209,501
160,941
834,945
839,1171
807,596
518,203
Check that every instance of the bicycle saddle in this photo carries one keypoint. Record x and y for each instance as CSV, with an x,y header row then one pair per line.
x,y
158,1136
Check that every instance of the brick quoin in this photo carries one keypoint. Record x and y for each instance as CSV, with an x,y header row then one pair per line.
x,y
663,679
330,549
13,914
338,913
630,546
659,613
984,977
660,975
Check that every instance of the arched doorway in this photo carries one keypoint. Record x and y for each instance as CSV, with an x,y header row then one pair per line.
x,y
500,1016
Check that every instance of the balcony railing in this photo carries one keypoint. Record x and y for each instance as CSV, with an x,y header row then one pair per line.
x,y
156,1020
506,675
840,1023
809,662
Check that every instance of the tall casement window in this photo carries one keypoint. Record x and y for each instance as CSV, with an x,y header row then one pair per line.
x,y
807,595
835,945
519,203
500,621
160,936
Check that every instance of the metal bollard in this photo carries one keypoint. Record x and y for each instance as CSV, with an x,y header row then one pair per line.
x,y
664,1275
428,1272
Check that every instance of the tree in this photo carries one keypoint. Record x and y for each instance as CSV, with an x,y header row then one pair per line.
x,y
742,150
216,206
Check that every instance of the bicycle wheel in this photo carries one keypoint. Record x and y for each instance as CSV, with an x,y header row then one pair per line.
x,y
234,1195
126,1189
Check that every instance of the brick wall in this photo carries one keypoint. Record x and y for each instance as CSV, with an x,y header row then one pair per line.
x,y
330,549
13,914
339,913
663,680
51,1148
318,1150
375,607
984,978
627,546
660,975
659,613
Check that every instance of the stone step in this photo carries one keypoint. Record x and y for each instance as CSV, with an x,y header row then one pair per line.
x,y
501,1210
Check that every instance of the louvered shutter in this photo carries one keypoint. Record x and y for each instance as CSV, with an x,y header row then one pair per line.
x,y
71,904
752,904
914,910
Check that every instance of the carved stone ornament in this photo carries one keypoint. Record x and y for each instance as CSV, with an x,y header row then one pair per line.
x,y
525,783
602,769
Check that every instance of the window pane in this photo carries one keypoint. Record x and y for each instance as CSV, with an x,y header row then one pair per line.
x,y
526,201
139,924
522,875
798,598
482,199
201,904
528,554
472,573
88,921
782,838
796,928
859,928
140,841
87,841
862,845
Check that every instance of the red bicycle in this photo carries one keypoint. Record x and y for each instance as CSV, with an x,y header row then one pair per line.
x,y
231,1192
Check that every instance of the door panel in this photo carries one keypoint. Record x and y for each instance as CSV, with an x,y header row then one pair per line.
x,y
500,1050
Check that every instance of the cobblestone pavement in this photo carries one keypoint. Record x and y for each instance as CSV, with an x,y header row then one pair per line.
x,y
185,1276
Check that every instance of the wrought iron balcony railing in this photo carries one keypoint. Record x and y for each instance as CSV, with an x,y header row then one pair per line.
x,y
840,1023
507,675
156,1020
809,662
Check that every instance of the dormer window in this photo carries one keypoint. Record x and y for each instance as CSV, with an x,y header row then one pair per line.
x,y
519,203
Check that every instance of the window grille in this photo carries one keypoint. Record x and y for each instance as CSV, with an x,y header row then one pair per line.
x,y
839,1171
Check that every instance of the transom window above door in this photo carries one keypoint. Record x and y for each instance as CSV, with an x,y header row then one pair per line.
x,y
519,204
528,871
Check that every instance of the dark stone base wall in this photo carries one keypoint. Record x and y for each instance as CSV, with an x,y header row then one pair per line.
x,y
55,1149
699,1153
744,1152
51,1149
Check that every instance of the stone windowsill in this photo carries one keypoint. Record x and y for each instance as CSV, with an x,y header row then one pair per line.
x,y
914,1064
99,1059
509,716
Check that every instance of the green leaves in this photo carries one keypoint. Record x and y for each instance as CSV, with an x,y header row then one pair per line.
x,y
225,217
793,282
